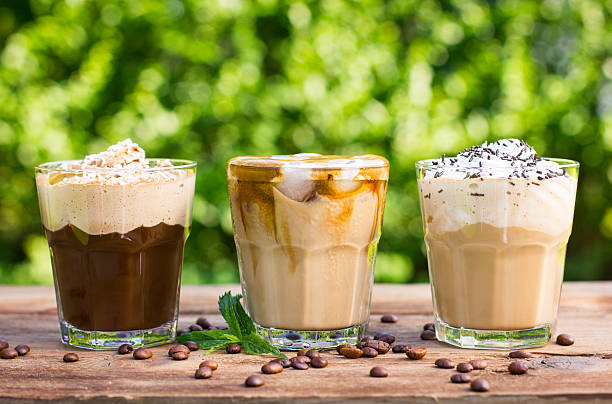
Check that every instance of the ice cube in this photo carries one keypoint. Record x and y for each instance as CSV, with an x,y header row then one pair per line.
x,y
296,183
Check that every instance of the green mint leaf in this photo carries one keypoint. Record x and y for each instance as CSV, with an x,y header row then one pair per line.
x,y
246,324
209,340
228,311
255,345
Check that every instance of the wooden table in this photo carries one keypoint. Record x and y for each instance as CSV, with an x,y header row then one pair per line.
x,y
579,373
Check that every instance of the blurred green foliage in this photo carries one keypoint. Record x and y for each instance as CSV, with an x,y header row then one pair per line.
x,y
207,80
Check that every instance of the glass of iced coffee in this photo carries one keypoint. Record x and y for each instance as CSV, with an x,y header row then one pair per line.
x,y
306,228
497,219
116,223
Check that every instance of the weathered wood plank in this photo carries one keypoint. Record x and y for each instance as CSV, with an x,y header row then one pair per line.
x,y
570,374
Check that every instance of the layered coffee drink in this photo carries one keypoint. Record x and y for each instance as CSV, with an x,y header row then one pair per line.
x,y
306,228
497,219
116,225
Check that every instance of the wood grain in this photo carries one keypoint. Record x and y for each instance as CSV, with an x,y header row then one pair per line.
x,y
579,373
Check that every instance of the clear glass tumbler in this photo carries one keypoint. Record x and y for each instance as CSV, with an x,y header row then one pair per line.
x,y
496,252
117,251
306,228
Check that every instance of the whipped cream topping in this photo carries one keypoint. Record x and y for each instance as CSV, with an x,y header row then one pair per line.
x,y
506,158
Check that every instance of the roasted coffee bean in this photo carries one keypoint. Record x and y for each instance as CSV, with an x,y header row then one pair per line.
x,y
445,363
480,385
303,352
461,378
361,345
180,356
339,347
22,349
211,364
478,364
378,371
400,348
233,349
195,327
381,346
429,326
183,331
518,368
192,346
416,353
3,344
293,336
464,367
254,381
299,365
366,338
318,362
284,362
351,352
565,339
522,354
125,349
428,335
271,368
312,353
178,348
369,352
388,338
8,353
203,372
143,353
300,358
204,323
389,318
71,357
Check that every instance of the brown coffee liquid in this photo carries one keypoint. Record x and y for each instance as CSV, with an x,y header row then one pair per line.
x,y
115,282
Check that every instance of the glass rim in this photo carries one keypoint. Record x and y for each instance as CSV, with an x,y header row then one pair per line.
x,y
177,164
245,161
428,163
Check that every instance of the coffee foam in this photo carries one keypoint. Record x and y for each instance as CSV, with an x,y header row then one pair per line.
x,y
115,191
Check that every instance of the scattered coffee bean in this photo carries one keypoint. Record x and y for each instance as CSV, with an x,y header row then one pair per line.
x,y
369,352
300,358
389,318
464,367
3,344
272,368
429,326
428,335
565,339
142,353
522,354
183,331
416,353
284,362
381,346
233,349
180,356
8,353
204,323
312,353
366,338
388,338
22,349
195,327
351,352
254,381
125,349
339,347
71,357
178,348
318,362
211,364
480,385
302,352
192,346
361,345
460,378
299,365
518,368
203,372
378,371
478,364
445,363
400,348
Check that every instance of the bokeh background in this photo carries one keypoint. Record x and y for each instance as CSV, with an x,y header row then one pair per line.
x,y
210,79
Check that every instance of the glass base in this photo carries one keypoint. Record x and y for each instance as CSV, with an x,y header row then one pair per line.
x,y
293,340
103,340
487,339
